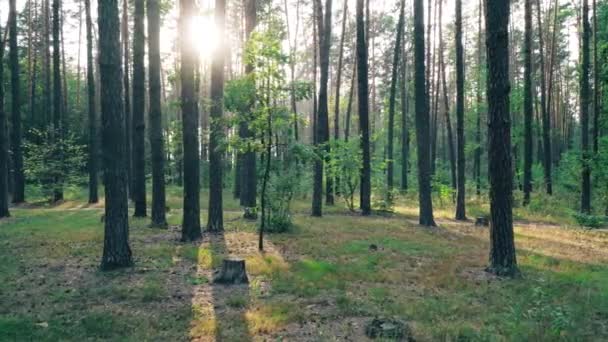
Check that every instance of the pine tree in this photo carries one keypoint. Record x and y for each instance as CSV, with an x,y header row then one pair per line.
x,y
363,97
93,184
584,105
4,212
57,90
16,149
139,99
460,195
528,110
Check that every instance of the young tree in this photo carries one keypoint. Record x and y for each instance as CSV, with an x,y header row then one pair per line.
x,y
502,244
138,123
18,175
216,215
528,110
116,250
460,195
191,221
363,97
157,143
4,212
93,184
422,120
57,87
322,129
584,104
391,106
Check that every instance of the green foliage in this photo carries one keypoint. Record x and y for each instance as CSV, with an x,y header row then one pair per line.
x,y
53,162
590,221
345,163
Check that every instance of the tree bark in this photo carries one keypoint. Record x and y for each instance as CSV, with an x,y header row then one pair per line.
x,y
502,246
157,142
584,103
544,106
596,84
4,146
93,148
422,120
363,97
17,154
57,90
191,225
126,87
460,194
405,133
216,215
116,250
391,106
528,110
139,103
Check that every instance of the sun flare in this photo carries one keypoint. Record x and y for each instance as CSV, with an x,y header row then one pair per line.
x,y
203,35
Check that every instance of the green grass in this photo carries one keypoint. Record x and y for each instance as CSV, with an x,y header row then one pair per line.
x,y
315,279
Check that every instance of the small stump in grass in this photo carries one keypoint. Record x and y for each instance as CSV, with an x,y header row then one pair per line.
x,y
482,221
232,272
388,328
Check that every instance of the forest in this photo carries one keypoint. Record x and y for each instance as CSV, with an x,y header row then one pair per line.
x,y
303,170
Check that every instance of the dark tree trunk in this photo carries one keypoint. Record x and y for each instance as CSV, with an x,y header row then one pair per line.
x,y
543,104
249,161
139,102
460,194
528,110
502,244
46,92
479,103
93,148
338,85
3,142
548,149
391,106
116,250
58,106
405,133
349,107
596,84
216,215
322,127
191,221
157,143
584,102
363,97
18,175
422,120
126,87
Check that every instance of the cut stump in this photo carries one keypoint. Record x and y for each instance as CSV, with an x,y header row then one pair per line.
x,y
233,272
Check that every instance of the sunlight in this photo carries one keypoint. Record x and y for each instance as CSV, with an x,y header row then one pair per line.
x,y
203,35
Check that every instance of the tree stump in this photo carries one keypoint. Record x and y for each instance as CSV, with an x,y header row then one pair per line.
x,y
233,272
482,221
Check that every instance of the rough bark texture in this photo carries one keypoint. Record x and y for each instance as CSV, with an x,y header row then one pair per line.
x,y
233,272
422,120
191,221
93,148
17,154
584,101
126,87
139,102
157,143
502,245
216,215
391,104
460,194
57,88
528,110
116,250
363,97
4,212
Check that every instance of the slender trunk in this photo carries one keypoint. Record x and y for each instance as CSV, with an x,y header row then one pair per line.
x,y
58,106
405,134
47,103
126,87
584,103
391,106
139,102
596,84
363,96
216,215
191,226
4,146
116,250
17,154
479,104
502,246
448,122
349,107
93,184
543,104
460,194
528,102
422,121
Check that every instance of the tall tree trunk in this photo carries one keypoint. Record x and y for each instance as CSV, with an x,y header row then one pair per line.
x,y
405,133
584,103
479,103
248,169
544,105
349,107
157,142
47,103
139,103
460,195
4,146
127,87
93,148
116,250
422,120
363,97
502,246
550,105
391,105
338,84
58,106
528,110
216,215
596,84
191,225
18,175
324,95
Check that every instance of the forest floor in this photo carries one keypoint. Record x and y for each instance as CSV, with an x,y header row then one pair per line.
x,y
323,281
